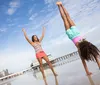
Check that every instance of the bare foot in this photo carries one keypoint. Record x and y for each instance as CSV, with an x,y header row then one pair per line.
x,y
89,73
59,3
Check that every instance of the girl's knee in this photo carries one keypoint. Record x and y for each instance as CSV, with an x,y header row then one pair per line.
x,y
41,67
44,77
49,62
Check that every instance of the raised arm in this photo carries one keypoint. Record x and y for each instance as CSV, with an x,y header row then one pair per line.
x,y
26,36
43,32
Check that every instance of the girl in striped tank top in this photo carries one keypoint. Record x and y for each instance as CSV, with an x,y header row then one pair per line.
x,y
40,54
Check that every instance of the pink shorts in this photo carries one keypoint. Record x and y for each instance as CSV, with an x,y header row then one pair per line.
x,y
40,54
77,39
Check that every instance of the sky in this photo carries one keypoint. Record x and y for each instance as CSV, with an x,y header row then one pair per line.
x,y
16,53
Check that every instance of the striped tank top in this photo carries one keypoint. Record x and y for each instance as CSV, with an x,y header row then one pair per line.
x,y
37,47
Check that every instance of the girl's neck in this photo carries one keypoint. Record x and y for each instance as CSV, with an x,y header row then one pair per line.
x,y
36,42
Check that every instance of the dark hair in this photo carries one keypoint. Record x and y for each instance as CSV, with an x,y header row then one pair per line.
x,y
33,38
88,51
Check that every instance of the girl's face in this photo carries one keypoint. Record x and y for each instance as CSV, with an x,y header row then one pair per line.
x,y
35,38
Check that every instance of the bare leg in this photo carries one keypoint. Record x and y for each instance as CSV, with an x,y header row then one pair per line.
x,y
50,65
67,15
42,70
98,62
66,23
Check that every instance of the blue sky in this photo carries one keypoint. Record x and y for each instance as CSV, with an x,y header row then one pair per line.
x,y
33,15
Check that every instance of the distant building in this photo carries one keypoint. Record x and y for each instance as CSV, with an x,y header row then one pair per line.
x,y
4,73
1,74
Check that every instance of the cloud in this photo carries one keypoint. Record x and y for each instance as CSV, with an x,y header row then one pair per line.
x,y
31,9
58,46
1,30
11,11
49,1
97,43
91,30
12,60
33,16
81,9
13,6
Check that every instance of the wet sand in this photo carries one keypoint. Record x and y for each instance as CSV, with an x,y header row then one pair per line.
x,y
68,74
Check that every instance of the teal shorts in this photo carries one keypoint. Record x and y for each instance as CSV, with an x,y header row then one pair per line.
x,y
72,32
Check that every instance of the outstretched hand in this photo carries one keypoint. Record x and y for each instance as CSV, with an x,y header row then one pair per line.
x,y
23,30
43,31
43,28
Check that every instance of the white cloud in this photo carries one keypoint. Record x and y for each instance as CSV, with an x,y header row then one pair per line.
x,y
97,42
90,31
11,11
31,9
9,20
59,46
49,1
13,6
16,61
33,16
2,30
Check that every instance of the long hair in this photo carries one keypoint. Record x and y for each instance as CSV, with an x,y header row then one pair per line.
x,y
33,38
88,51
